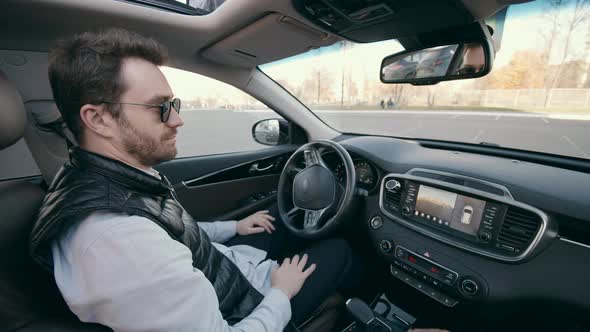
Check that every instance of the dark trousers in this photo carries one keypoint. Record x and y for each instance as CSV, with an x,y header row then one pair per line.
x,y
337,266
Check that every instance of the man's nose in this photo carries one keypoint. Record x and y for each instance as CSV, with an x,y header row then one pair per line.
x,y
174,120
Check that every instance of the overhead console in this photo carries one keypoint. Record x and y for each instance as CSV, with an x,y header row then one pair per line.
x,y
467,213
374,20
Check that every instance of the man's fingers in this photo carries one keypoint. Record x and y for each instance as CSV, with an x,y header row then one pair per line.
x,y
255,230
286,261
261,212
264,224
270,225
309,270
302,262
269,217
295,260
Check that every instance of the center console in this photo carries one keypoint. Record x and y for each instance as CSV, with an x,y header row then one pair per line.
x,y
469,214
489,223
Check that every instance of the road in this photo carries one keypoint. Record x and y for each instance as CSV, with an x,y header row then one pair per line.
x,y
208,132
220,131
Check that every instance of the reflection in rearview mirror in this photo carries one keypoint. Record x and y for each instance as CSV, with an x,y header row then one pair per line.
x,y
445,62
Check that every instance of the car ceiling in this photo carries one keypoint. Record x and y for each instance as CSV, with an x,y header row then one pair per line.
x,y
257,28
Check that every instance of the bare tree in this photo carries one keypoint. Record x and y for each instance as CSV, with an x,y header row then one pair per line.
x,y
580,13
552,16
398,91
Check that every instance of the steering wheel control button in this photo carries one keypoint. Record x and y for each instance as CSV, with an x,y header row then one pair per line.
x,y
376,222
385,246
393,185
469,287
310,158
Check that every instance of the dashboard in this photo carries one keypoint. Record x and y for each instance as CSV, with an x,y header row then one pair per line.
x,y
366,173
463,228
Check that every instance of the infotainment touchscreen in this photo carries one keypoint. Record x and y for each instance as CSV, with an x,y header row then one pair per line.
x,y
449,209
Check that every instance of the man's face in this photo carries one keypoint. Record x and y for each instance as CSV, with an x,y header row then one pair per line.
x,y
474,58
141,133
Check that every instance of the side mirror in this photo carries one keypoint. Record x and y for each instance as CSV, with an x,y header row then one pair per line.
x,y
438,63
271,131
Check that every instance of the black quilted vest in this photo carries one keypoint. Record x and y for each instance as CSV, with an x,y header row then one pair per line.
x,y
91,182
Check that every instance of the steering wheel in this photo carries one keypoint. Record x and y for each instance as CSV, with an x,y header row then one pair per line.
x,y
311,201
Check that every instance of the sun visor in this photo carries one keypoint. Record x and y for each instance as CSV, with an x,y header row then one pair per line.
x,y
271,38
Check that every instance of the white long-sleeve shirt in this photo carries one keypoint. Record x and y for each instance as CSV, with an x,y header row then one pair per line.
x,y
127,273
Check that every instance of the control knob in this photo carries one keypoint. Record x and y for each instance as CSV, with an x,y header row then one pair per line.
x,y
393,185
406,210
469,287
376,222
485,237
386,246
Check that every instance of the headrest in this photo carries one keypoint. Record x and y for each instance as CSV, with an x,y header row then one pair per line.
x,y
13,118
44,112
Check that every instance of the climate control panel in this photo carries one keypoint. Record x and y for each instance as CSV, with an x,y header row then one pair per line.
x,y
434,279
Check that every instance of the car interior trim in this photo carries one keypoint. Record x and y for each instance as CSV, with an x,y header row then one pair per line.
x,y
506,192
275,163
573,242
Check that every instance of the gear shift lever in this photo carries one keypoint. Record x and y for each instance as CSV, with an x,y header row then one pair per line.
x,y
360,310
370,321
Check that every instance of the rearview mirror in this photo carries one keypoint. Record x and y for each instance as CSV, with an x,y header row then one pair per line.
x,y
439,63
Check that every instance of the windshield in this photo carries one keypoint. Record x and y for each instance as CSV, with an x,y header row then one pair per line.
x,y
536,98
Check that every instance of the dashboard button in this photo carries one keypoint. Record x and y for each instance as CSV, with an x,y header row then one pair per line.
x,y
450,302
485,237
469,287
376,222
406,210
386,246
434,282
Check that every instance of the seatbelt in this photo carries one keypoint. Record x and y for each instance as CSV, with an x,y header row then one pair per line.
x,y
48,118
59,127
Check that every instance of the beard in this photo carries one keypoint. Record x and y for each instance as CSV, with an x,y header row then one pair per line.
x,y
145,148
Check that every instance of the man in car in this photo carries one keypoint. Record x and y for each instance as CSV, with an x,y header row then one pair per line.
x,y
123,252
473,60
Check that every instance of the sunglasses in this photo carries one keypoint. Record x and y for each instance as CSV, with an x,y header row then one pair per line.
x,y
467,70
164,107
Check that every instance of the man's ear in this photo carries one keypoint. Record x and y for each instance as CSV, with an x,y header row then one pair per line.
x,y
97,120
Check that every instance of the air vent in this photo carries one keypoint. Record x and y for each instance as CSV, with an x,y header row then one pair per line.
x,y
518,229
392,197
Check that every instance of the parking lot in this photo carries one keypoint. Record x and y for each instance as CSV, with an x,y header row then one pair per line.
x,y
207,132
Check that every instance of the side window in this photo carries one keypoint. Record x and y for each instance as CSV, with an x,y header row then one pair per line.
x,y
218,118
16,161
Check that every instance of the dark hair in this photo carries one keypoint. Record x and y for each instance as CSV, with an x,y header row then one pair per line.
x,y
85,69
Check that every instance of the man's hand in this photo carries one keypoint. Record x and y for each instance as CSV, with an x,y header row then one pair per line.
x,y
257,223
290,276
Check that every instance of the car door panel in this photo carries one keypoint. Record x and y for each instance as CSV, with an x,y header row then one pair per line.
x,y
188,168
228,199
227,186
